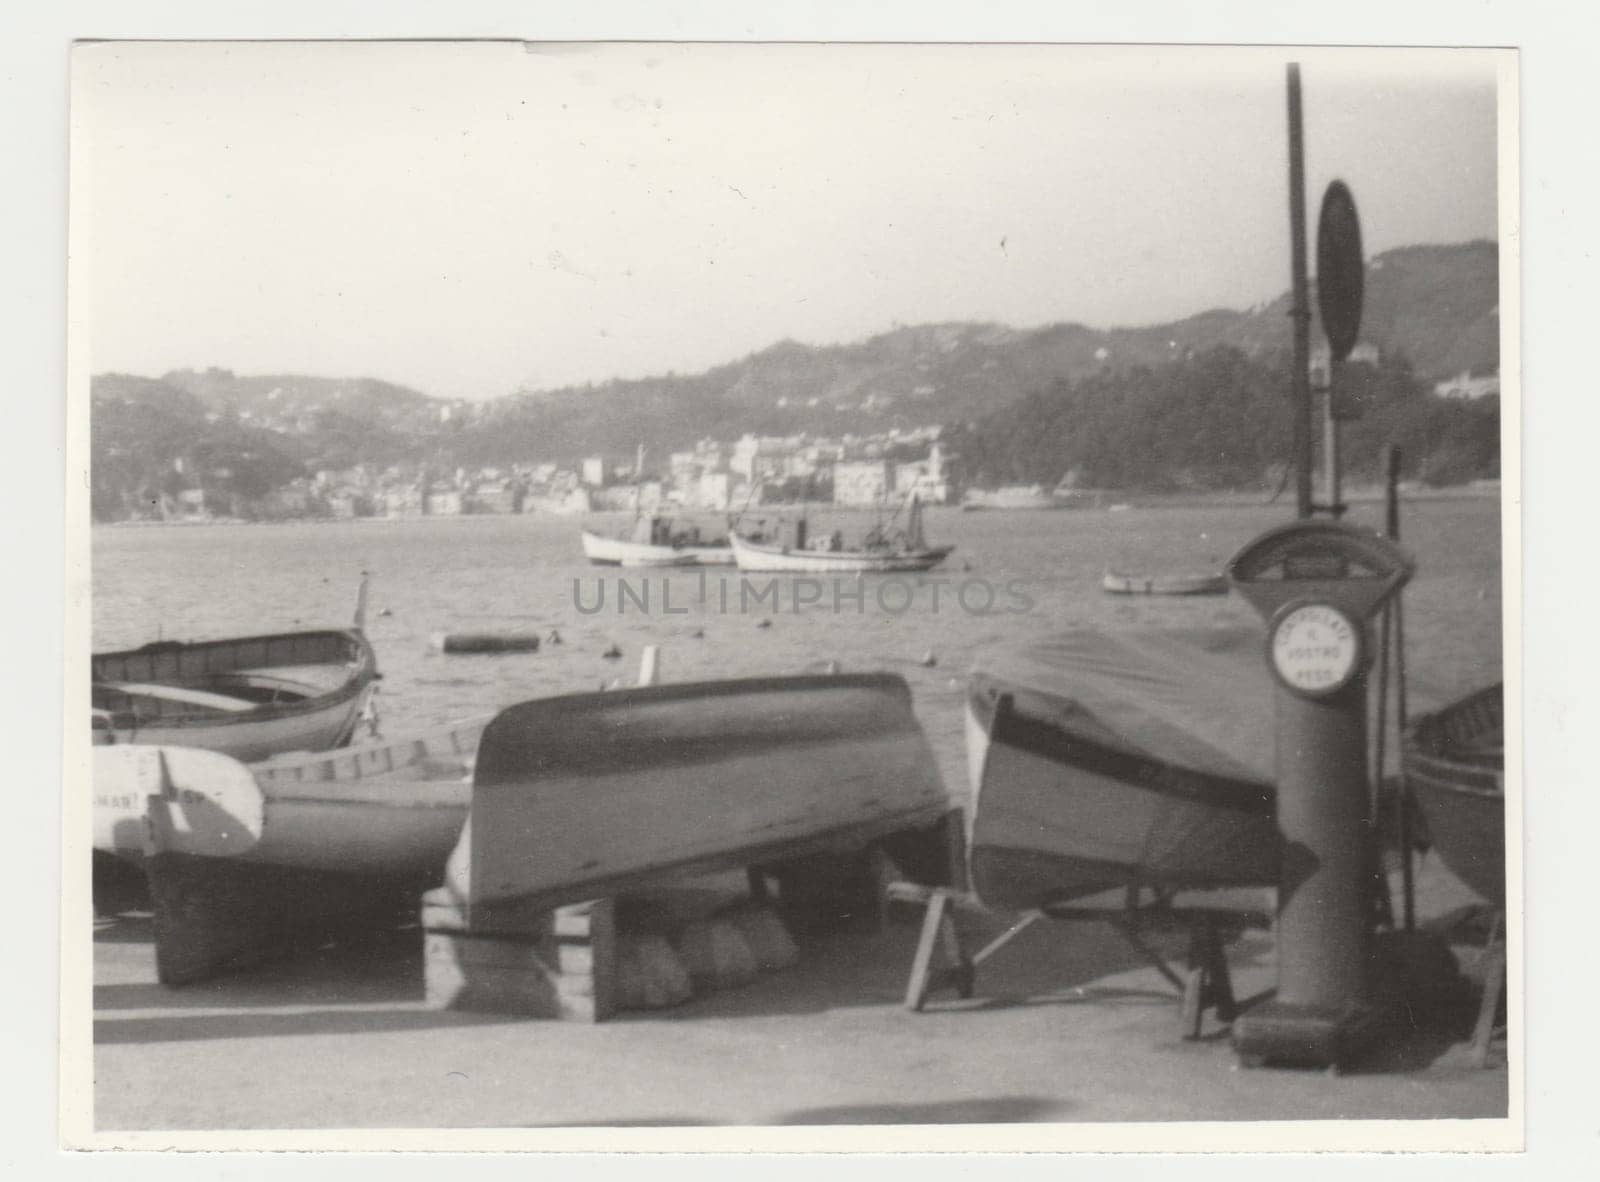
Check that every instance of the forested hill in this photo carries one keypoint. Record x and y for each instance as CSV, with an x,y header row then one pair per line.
x,y
1433,308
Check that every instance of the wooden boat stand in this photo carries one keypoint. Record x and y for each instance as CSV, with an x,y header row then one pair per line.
x,y
1204,985
1494,988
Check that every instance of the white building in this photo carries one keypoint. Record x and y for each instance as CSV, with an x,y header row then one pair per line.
x,y
594,471
1464,385
861,483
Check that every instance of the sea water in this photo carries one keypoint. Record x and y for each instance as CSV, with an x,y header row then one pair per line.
x,y
1014,574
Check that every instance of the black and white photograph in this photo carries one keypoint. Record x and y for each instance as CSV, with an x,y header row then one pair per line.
x,y
632,589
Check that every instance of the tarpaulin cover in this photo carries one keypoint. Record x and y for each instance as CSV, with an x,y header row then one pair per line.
x,y
1200,698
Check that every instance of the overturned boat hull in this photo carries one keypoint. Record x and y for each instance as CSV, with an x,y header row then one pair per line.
x,y
1104,760
586,795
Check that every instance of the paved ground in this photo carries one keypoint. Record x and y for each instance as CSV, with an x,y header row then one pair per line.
x,y
1069,1026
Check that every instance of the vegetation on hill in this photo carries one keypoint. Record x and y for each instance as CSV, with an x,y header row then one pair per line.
x,y
1199,403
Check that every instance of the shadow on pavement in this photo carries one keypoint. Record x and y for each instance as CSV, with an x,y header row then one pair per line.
x,y
986,1111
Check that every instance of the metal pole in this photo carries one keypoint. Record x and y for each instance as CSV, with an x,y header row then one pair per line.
x,y
1300,313
1402,798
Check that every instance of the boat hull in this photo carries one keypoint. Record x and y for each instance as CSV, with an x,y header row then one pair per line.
x,y
1118,583
757,557
1454,766
248,698
388,810
586,795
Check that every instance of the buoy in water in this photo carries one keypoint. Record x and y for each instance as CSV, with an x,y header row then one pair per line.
x,y
485,642
698,634
929,659
764,624
385,612
553,638
612,653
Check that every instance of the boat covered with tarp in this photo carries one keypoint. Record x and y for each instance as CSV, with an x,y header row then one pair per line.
x,y
1104,759
1454,763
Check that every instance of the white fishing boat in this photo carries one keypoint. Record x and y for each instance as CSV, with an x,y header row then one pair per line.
x,y
652,541
882,550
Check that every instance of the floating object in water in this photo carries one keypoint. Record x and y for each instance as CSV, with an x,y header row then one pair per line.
x,y
553,638
485,642
385,612
930,659
698,634
650,665
612,653
1117,583
764,624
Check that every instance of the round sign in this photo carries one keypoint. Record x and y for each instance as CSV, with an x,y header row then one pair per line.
x,y
1341,274
1316,650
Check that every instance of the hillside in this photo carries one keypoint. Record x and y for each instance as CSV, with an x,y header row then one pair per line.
x,y
1434,307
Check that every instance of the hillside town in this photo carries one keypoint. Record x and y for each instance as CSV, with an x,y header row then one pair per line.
x,y
713,476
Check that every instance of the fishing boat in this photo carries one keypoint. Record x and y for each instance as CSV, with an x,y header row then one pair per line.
x,y
1194,583
1454,766
882,550
1103,760
390,810
654,542
248,698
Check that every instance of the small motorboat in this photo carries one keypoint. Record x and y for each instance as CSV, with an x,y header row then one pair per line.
x,y
1454,766
1192,583
248,698
1104,760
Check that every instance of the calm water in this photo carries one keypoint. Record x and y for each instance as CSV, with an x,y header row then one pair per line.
x,y
523,573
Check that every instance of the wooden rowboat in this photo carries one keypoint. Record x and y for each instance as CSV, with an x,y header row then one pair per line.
x,y
248,698
1104,760
390,810
582,796
1454,765
1118,583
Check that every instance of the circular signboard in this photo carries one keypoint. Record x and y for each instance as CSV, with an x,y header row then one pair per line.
x,y
1316,650
1340,271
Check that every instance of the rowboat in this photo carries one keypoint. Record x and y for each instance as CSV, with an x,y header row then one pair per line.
x,y
585,795
1118,583
882,552
1103,760
655,544
248,698
390,810
1454,765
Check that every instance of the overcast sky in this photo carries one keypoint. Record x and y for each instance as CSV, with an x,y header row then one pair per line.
x,y
468,219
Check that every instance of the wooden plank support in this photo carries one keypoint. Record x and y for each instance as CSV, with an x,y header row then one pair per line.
x,y
560,963
1494,984
1206,984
